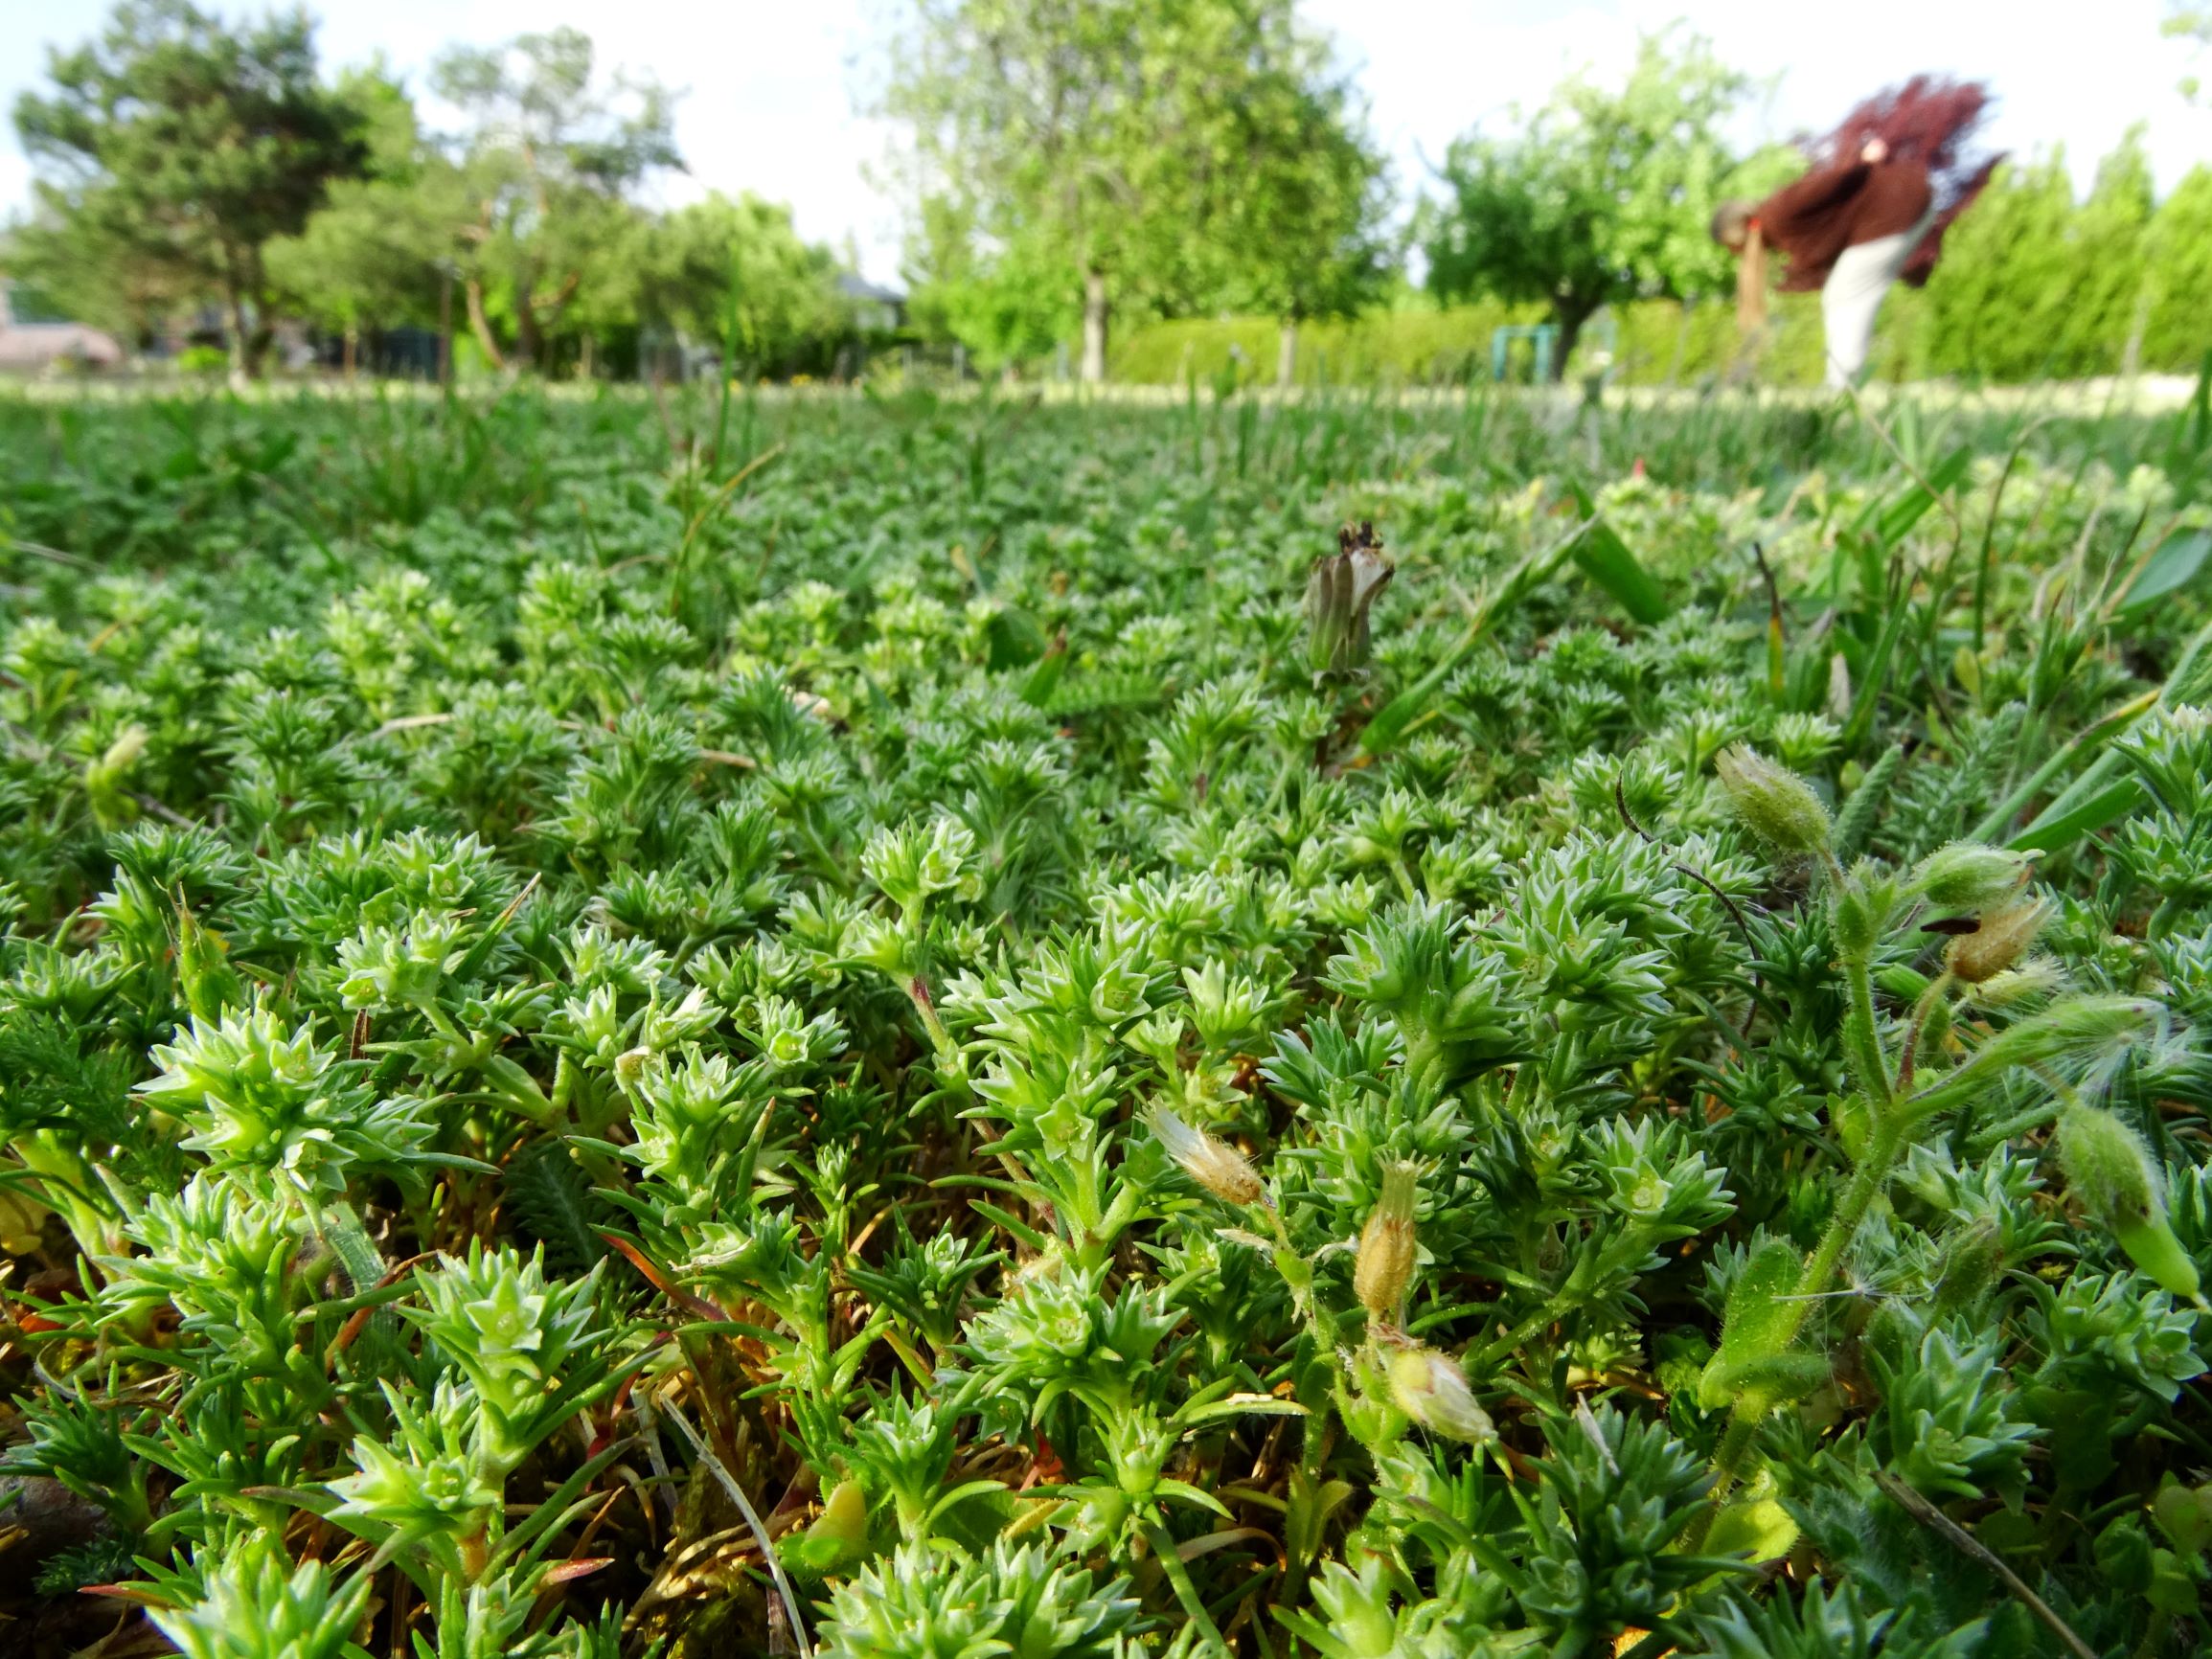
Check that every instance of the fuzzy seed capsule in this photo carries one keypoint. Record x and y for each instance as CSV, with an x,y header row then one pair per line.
x,y
1775,804
1971,1258
1211,1162
1431,1389
2003,939
2110,1168
1384,1269
1967,877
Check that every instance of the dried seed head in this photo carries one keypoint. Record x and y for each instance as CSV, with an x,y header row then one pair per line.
x,y
1967,877
1384,1269
2000,940
1431,1389
1211,1162
1337,597
1775,804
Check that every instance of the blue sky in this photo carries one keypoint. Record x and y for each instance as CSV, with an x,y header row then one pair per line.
x,y
771,103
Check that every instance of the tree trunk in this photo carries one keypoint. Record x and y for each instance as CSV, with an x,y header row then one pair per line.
x,y
480,325
1094,328
2131,356
1287,354
1683,320
529,338
1571,318
446,328
353,350
242,358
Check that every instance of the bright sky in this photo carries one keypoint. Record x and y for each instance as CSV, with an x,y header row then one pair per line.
x,y
771,103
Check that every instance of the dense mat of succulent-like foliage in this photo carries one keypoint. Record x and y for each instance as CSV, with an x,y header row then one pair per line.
x,y
889,1029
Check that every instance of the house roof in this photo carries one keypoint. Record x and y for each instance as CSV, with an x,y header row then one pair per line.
x,y
40,345
855,286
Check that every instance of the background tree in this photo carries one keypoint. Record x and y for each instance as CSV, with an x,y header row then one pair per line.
x,y
1005,299
2113,275
93,269
2178,333
1603,196
2190,20
180,148
549,161
738,273
1119,140
2001,304
1306,216
373,257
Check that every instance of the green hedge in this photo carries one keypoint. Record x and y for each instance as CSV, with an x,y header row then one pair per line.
x,y
1652,343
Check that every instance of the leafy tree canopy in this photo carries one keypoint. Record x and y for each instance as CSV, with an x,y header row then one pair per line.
x,y
372,257
549,159
178,148
1176,154
736,272
1602,194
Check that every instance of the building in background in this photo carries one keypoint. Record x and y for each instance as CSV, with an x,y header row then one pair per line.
x,y
31,344
876,311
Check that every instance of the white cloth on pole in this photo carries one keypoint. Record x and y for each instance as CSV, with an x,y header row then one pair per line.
x,y
1852,297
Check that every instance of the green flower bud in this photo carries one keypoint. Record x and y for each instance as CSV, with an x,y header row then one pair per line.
x,y
1858,926
1387,1255
1431,1389
1776,805
211,986
103,778
2111,1171
1967,877
1971,1258
839,1534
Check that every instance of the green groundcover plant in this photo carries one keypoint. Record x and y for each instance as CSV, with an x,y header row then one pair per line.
x,y
884,1027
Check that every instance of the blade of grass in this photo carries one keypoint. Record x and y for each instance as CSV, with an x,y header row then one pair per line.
x,y
1396,716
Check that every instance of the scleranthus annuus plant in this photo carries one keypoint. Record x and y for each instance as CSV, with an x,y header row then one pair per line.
x,y
955,1043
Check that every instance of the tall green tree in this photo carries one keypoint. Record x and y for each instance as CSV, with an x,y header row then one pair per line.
x,y
738,273
2178,333
1149,152
374,255
1602,194
179,147
1005,301
1305,234
2113,275
2021,294
550,160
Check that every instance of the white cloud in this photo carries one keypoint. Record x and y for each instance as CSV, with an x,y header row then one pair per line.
x,y
770,106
